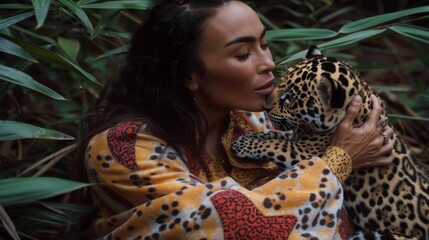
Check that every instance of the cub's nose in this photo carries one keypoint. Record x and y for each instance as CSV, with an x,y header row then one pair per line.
x,y
269,101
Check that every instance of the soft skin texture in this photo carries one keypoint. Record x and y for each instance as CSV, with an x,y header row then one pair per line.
x,y
237,60
238,69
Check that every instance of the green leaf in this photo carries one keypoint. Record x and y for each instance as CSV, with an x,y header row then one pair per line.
x,y
26,190
51,57
390,88
119,50
339,42
82,2
79,14
107,18
300,34
9,47
414,32
423,55
41,8
12,75
37,36
380,19
10,130
15,19
15,6
399,116
350,39
70,46
126,4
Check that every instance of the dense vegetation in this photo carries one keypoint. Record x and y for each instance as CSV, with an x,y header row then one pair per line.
x,y
57,54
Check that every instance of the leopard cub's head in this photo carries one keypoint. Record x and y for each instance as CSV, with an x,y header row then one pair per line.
x,y
312,95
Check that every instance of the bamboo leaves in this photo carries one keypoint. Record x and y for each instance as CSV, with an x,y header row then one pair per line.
x,y
41,8
26,190
10,130
381,19
417,33
12,75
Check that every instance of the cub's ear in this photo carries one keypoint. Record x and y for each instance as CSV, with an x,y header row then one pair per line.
x,y
313,51
331,93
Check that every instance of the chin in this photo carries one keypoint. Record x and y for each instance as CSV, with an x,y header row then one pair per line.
x,y
254,108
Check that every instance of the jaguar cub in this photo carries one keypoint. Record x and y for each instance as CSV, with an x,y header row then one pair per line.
x,y
306,106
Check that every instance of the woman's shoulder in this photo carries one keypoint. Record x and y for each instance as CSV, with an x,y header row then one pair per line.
x,y
123,142
126,131
124,136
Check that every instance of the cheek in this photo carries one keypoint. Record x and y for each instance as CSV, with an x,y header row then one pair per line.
x,y
229,79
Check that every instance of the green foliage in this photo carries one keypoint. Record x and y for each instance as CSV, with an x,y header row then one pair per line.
x,y
24,190
57,54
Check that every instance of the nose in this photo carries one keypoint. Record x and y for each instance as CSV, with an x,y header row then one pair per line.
x,y
266,64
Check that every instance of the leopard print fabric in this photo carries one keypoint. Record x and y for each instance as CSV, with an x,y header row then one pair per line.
x,y
148,190
308,103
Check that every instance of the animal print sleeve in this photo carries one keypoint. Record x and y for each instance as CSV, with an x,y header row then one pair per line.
x,y
339,162
145,191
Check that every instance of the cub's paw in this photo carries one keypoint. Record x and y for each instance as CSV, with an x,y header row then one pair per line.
x,y
248,146
258,145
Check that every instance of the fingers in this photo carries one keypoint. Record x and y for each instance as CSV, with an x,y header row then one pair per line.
x,y
386,134
375,112
389,131
352,111
384,156
384,161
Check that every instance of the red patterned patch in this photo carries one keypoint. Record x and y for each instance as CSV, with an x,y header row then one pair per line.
x,y
344,226
242,220
121,140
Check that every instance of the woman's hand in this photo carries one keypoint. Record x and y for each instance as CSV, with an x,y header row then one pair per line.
x,y
368,145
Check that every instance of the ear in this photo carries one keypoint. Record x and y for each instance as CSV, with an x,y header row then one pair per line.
x,y
331,93
313,51
193,82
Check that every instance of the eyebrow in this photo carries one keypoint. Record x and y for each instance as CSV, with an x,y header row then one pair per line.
x,y
246,38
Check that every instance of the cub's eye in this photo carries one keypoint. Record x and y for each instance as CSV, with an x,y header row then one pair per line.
x,y
287,97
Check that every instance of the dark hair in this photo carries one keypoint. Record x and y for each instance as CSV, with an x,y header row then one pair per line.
x,y
152,84
160,61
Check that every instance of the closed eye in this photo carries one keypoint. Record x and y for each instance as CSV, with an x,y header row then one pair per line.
x,y
243,57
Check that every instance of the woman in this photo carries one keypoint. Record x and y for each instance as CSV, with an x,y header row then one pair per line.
x,y
164,159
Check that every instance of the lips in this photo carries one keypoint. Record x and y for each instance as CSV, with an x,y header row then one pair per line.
x,y
265,89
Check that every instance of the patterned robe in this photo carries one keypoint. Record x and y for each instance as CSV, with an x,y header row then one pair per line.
x,y
149,190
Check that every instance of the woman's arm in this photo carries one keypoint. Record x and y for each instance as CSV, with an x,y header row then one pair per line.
x,y
147,191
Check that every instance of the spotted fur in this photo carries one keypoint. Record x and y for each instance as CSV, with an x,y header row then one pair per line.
x,y
307,105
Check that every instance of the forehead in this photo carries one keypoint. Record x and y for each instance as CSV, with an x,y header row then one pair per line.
x,y
234,19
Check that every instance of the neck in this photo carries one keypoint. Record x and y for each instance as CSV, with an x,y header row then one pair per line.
x,y
217,119
213,143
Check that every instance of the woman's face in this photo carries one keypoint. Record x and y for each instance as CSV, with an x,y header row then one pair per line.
x,y
237,61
